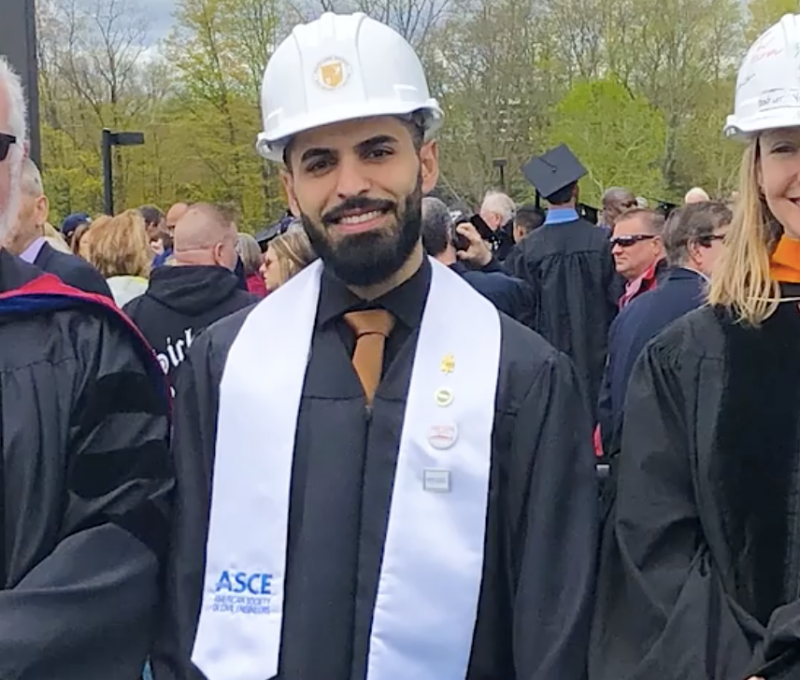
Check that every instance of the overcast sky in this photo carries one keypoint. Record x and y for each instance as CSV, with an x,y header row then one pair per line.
x,y
160,14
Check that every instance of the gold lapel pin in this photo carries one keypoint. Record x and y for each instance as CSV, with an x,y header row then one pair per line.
x,y
448,363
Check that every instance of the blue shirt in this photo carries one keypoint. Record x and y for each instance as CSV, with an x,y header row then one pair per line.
x,y
561,215
33,250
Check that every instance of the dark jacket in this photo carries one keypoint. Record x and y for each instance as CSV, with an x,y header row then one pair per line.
x,y
510,295
182,301
501,241
85,486
72,270
571,270
699,572
678,292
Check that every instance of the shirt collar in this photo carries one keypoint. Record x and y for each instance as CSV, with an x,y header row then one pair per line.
x,y
32,251
696,272
406,302
561,215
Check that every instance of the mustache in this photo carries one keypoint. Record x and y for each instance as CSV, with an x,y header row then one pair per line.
x,y
357,203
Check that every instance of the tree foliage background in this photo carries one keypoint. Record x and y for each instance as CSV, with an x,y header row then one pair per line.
x,y
639,89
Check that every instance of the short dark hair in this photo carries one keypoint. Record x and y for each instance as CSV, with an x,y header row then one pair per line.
x,y
437,226
529,217
653,219
562,195
693,223
151,215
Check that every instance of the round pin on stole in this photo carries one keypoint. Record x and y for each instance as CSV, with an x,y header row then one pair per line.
x,y
444,397
443,436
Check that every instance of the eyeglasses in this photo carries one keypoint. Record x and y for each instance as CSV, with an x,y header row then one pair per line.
x,y
5,145
632,239
706,241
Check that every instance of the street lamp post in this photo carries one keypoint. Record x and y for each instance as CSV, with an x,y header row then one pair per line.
x,y
110,140
500,164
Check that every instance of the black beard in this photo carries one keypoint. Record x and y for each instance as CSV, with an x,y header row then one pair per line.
x,y
366,259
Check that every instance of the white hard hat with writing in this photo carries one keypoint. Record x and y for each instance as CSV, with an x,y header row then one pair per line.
x,y
338,68
768,85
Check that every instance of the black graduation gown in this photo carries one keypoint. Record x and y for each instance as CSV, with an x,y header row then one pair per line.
x,y
571,270
537,589
85,484
700,573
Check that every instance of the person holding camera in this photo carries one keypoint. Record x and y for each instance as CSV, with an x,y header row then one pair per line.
x,y
460,245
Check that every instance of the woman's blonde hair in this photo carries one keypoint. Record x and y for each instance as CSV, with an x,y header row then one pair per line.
x,y
55,239
742,279
119,246
293,252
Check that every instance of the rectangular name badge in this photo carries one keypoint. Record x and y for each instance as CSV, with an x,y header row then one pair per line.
x,y
436,481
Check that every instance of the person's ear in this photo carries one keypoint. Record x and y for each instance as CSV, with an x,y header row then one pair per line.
x,y
429,166
695,252
42,210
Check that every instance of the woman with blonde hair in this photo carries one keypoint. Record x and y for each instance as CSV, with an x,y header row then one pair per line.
x,y
700,568
286,256
120,250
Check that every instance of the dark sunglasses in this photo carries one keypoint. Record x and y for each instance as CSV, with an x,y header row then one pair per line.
x,y
628,241
5,145
706,241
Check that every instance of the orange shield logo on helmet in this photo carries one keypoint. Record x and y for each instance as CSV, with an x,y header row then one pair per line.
x,y
332,73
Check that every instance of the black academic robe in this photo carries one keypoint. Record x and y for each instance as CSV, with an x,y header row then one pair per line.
x,y
540,547
571,270
85,485
700,573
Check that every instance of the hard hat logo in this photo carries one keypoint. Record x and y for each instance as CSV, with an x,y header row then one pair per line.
x,y
332,73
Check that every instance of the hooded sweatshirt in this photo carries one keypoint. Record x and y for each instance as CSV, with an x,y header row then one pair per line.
x,y
180,303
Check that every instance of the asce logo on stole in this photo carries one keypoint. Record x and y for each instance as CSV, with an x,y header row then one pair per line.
x,y
243,593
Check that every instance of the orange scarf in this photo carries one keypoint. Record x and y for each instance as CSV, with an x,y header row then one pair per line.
x,y
784,264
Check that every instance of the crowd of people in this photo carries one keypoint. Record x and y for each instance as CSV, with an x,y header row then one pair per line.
x,y
393,439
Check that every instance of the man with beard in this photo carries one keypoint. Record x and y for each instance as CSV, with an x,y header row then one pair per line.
x,y
397,494
85,477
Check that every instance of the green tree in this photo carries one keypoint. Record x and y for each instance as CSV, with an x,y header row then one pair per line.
x,y
618,136
764,13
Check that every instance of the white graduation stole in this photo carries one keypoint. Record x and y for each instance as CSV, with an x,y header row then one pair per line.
x,y
430,579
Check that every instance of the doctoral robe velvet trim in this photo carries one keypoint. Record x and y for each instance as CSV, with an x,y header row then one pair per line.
x,y
756,457
47,293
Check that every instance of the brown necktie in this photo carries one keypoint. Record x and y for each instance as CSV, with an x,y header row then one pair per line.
x,y
372,327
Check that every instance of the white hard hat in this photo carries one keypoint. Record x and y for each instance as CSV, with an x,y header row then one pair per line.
x,y
768,85
337,68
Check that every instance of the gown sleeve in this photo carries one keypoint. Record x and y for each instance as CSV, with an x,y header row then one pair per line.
x,y
555,586
661,609
87,608
193,443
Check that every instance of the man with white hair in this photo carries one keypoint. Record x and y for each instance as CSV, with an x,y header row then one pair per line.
x,y
26,239
696,195
497,210
85,475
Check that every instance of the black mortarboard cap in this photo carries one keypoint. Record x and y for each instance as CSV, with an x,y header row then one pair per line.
x,y
553,171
